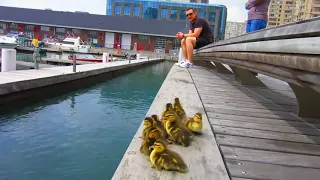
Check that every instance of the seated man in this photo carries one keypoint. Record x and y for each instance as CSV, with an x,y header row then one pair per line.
x,y
200,34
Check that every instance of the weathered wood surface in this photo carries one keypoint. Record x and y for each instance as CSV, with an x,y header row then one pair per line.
x,y
202,157
257,129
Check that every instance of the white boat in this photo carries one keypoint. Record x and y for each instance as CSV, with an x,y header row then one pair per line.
x,y
70,44
8,41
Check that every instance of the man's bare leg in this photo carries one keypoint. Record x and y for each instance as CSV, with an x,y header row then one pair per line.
x,y
184,48
190,43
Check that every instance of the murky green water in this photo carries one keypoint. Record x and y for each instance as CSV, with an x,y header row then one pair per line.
x,y
81,135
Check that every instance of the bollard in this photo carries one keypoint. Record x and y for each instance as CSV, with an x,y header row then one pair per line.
x,y
35,58
74,64
9,58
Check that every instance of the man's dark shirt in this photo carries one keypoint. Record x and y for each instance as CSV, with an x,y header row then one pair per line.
x,y
206,32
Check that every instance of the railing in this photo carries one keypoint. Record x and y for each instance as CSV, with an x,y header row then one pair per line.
x,y
289,52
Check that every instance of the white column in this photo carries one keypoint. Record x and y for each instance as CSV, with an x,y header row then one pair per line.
x,y
9,58
138,56
105,57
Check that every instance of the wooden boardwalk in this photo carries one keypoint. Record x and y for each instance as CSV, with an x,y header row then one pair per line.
x,y
258,132
249,132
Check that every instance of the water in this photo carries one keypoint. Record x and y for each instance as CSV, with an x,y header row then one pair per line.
x,y
78,135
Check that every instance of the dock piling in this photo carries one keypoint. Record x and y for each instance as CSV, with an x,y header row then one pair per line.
x,y
74,64
35,56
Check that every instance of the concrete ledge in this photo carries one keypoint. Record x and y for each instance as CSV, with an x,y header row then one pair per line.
x,y
202,156
15,81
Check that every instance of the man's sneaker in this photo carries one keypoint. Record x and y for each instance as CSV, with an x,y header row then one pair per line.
x,y
178,63
186,65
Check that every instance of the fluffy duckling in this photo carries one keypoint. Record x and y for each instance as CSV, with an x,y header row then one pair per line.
x,y
148,123
168,108
158,124
178,108
178,133
163,158
195,124
152,134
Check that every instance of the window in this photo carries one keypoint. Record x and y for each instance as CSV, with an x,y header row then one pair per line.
x,y
176,44
212,27
60,30
193,1
29,27
164,13
76,31
44,28
59,37
160,43
93,33
205,1
142,37
13,26
212,16
183,14
173,14
136,11
126,10
1,31
203,14
117,9
29,34
3,26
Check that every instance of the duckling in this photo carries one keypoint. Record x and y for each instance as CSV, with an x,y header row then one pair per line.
x,y
178,108
148,123
178,133
152,134
195,124
158,124
163,158
168,108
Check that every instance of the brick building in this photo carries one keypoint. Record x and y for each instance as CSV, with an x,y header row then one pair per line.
x,y
98,30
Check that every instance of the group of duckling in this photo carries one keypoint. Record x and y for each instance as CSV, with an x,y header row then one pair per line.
x,y
173,127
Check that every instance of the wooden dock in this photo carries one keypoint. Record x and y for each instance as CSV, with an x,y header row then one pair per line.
x,y
22,80
249,132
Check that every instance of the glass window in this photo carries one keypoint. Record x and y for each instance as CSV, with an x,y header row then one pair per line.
x,y
212,27
173,13
164,13
126,10
150,13
203,14
1,31
136,11
45,28
212,17
117,9
183,14
142,37
3,26
29,27
93,33
76,31
60,30
160,43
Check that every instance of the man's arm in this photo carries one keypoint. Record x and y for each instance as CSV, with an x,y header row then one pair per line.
x,y
196,33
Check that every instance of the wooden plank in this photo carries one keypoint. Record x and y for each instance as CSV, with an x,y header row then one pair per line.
x,y
267,144
266,134
280,122
241,179
270,157
253,170
278,111
268,127
275,115
202,156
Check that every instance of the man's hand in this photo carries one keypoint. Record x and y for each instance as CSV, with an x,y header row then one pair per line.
x,y
179,35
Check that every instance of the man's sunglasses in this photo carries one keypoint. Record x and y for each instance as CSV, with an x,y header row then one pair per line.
x,y
190,14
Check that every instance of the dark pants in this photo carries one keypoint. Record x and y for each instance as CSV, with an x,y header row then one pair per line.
x,y
200,42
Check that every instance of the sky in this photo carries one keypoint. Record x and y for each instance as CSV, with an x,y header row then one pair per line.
x,y
236,10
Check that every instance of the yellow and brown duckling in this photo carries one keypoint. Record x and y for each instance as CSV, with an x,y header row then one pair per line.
x,y
195,124
159,125
151,135
163,158
177,132
148,123
168,108
178,108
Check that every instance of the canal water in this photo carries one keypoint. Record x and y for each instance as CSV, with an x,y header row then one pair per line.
x,y
78,135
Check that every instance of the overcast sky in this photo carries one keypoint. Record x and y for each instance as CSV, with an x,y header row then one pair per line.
x,y
236,10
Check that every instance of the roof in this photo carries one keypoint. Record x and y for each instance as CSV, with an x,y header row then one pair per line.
x,y
123,24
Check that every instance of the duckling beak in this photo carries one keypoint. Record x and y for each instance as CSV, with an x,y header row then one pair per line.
x,y
151,147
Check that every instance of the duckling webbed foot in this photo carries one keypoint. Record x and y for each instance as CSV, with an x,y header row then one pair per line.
x,y
198,133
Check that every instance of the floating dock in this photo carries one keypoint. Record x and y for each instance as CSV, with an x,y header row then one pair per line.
x,y
249,132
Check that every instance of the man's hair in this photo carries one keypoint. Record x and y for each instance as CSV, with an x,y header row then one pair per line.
x,y
190,9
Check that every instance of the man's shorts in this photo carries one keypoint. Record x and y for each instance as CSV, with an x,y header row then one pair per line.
x,y
200,43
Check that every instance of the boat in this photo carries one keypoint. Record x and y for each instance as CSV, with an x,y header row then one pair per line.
x,y
69,44
86,58
8,41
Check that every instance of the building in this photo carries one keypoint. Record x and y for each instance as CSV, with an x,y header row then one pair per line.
x,y
173,11
234,29
281,12
98,30
193,1
305,9
287,11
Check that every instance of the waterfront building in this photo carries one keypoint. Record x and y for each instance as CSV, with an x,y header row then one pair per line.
x,y
168,10
97,30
